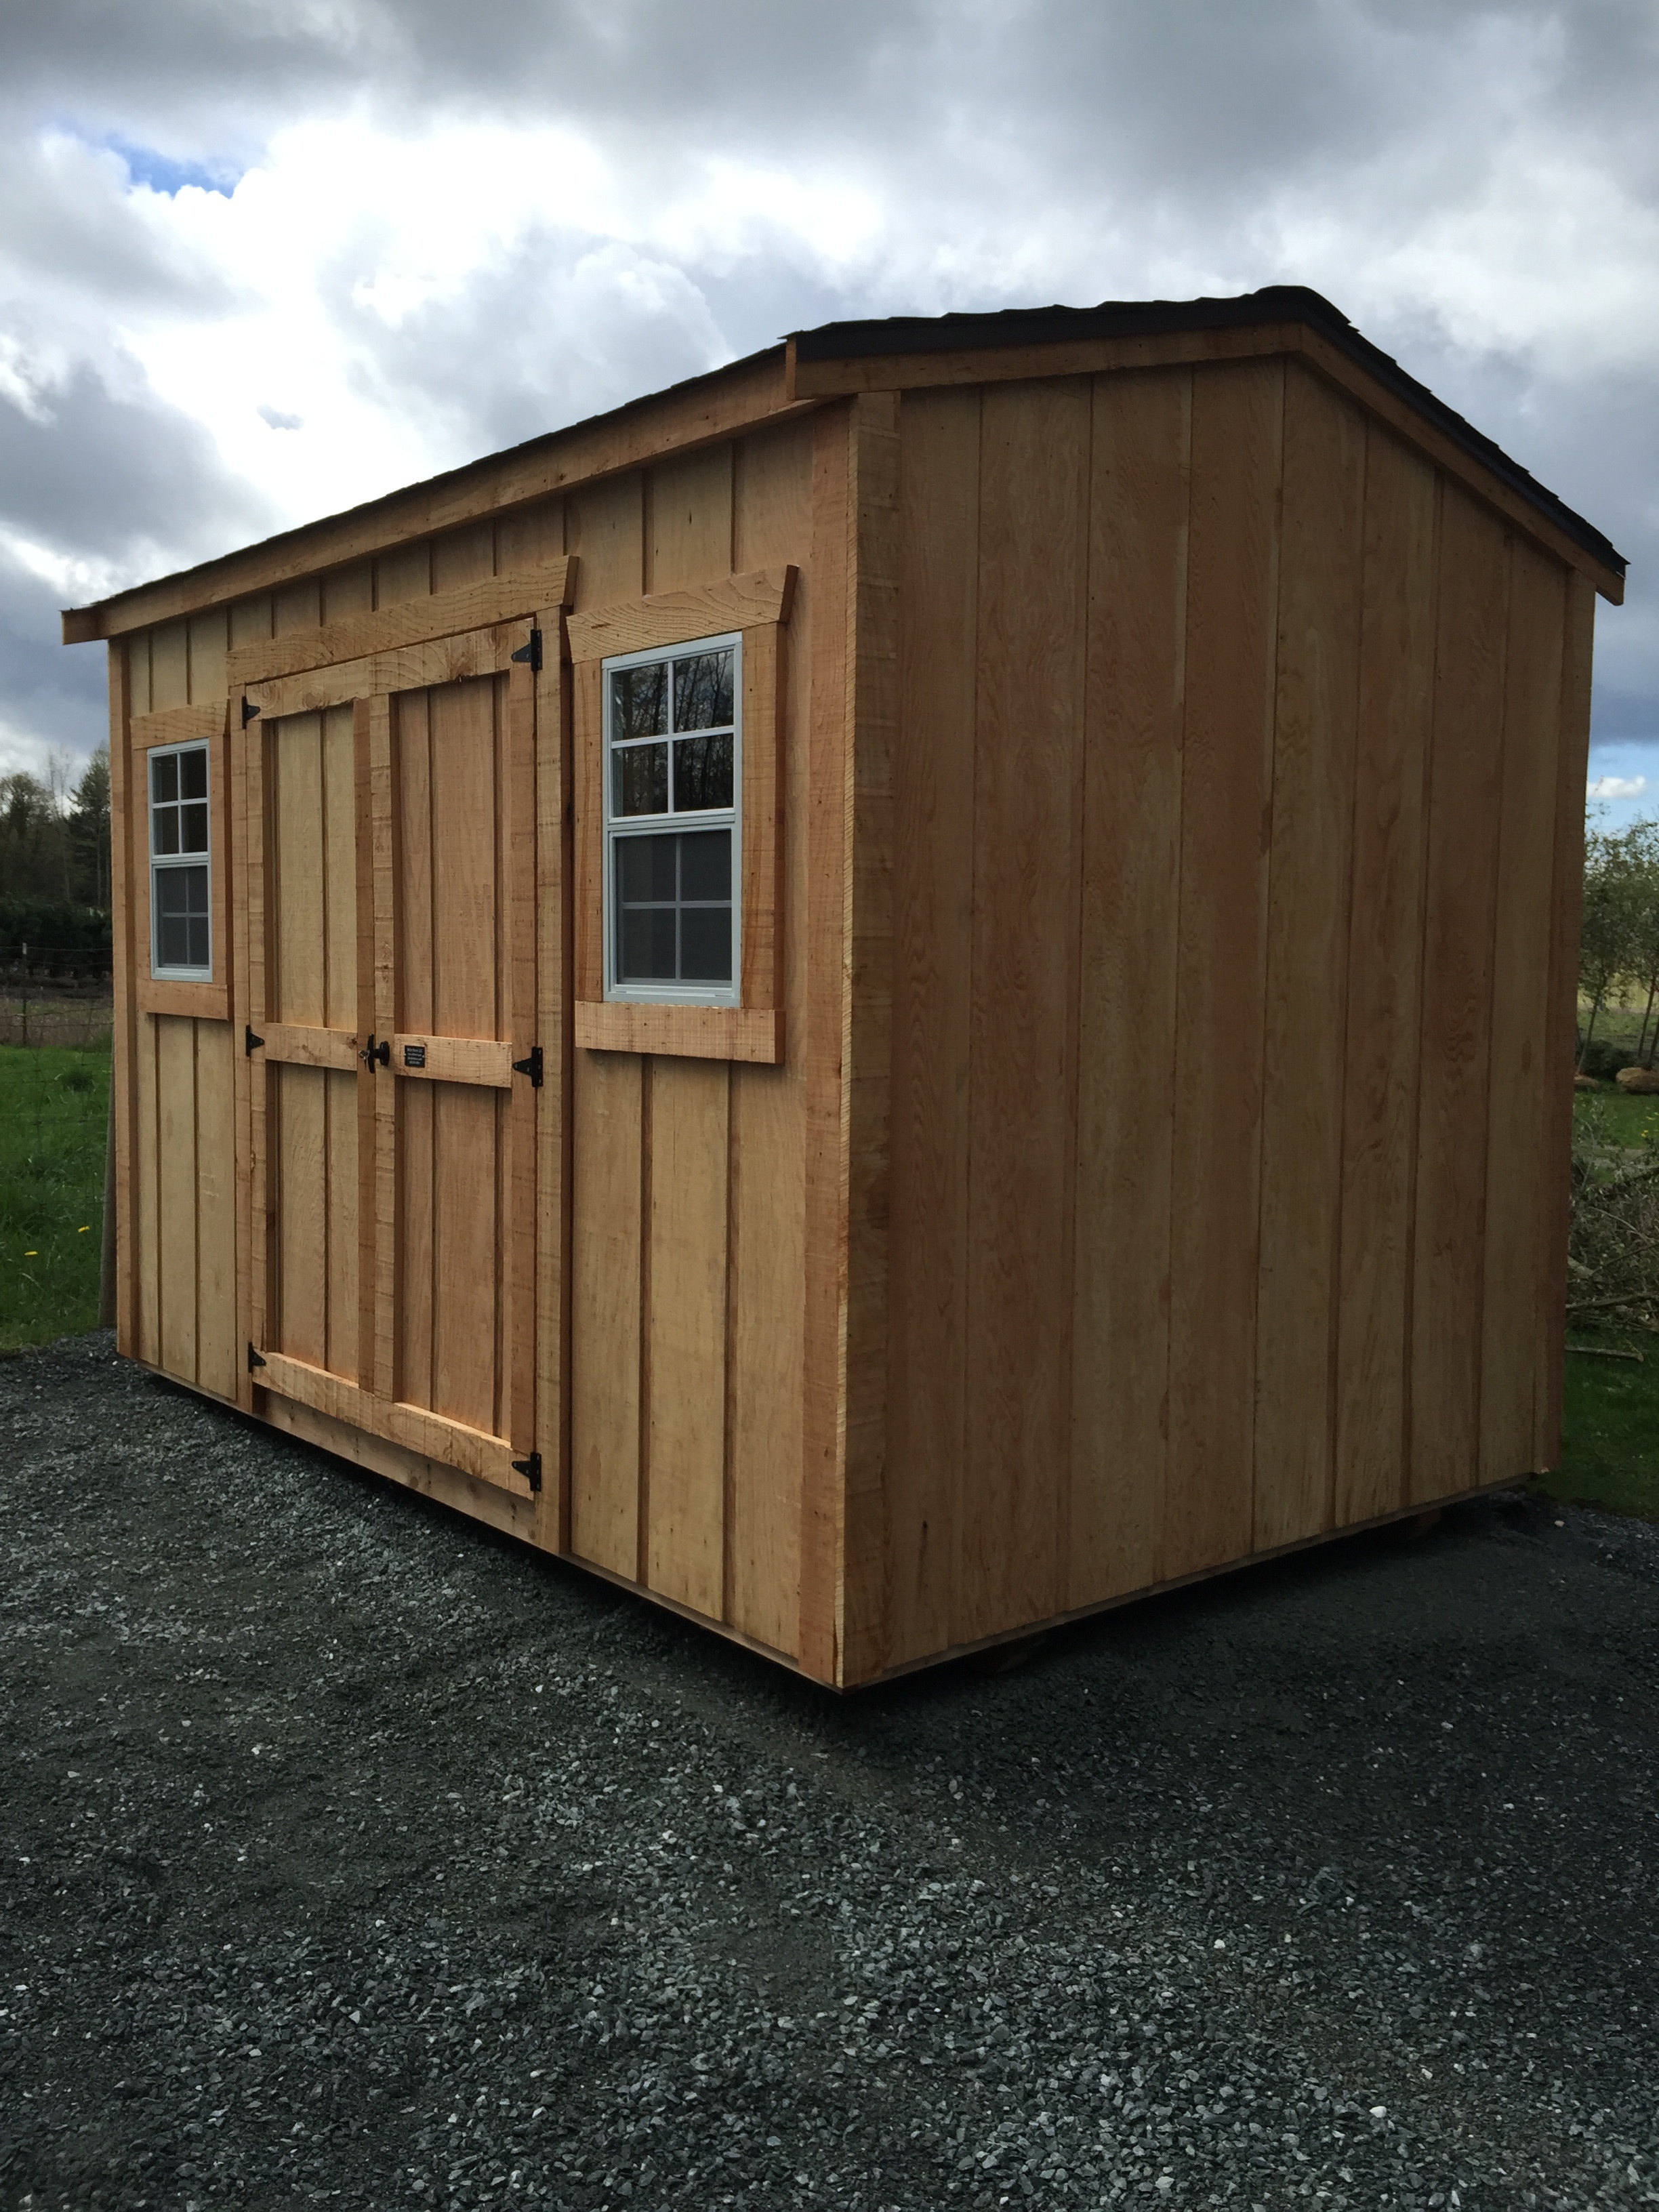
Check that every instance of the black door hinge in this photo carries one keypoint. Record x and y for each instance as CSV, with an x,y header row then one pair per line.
x,y
531,653
376,1055
531,1470
531,1065
254,1360
251,1044
249,712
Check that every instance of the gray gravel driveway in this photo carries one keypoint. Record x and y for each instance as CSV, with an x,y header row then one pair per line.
x,y
351,1856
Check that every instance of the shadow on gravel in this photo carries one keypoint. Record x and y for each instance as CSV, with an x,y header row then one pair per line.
x,y
351,1854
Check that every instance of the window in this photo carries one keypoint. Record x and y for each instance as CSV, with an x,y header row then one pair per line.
x,y
181,927
672,823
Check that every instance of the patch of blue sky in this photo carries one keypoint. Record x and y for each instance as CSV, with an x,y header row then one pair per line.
x,y
1624,782
163,174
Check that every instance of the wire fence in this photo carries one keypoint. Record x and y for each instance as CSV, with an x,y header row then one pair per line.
x,y
53,994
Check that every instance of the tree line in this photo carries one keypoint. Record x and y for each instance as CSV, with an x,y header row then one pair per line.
x,y
54,837
1619,937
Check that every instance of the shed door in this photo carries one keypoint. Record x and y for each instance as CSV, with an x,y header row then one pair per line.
x,y
392,900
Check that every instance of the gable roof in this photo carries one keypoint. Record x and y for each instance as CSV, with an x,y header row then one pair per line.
x,y
833,359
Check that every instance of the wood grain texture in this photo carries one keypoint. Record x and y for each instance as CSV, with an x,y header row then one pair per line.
x,y
195,1001
415,1428
147,1196
872,657
751,1033
760,886
126,933
176,726
169,666
310,1047
759,599
1028,811
242,1078
476,606
686,1319
219,1347
298,1173
1465,794
1310,884
364,1366
1232,595
1140,496
1519,1213
384,861
451,1059
440,661
553,999
771,525
605,1311
517,838
932,988
513,1511
207,637
1385,956
823,1450
176,1193
1561,1033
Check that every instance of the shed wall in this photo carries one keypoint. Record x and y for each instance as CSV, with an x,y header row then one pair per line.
x,y
1236,822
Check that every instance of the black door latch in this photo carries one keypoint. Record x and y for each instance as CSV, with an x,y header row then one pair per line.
x,y
376,1055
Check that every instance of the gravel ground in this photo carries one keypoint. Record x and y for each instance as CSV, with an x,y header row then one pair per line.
x,y
353,1856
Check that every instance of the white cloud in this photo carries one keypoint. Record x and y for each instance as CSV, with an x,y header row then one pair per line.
x,y
1616,786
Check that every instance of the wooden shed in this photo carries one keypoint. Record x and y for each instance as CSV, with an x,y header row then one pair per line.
x,y
904,991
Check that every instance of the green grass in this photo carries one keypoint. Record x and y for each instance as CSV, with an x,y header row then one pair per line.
x,y
1610,1430
53,1105
1614,1117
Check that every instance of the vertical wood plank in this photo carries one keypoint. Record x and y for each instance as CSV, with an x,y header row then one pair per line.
x,y
147,1205
587,696
605,526
606,1241
1138,522
518,800
529,536
169,666
348,592
1519,1218
296,607
255,940
760,890
463,556
1465,789
251,619
466,1249
298,892
299,1168
237,749
1233,591
1310,880
218,1364
1561,1034
362,803
128,871
412,967
1385,941
1028,806
823,1400
772,523
176,1192
552,735
404,572
390,1264
686,1359
340,957
208,637
933,907
689,541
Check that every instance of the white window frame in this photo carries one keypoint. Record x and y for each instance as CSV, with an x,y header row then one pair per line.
x,y
160,862
620,827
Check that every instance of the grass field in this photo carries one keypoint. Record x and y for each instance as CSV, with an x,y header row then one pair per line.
x,y
53,1105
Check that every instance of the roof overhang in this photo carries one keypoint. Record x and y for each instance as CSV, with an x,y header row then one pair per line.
x,y
908,352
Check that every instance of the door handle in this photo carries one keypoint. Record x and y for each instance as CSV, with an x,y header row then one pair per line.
x,y
376,1055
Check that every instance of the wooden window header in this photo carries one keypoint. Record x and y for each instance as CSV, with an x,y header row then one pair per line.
x,y
475,606
681,617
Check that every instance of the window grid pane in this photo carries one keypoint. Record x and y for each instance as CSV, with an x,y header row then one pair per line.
x,y
674,909
180,888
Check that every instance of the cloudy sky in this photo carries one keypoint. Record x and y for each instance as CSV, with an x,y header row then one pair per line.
x,y
260,259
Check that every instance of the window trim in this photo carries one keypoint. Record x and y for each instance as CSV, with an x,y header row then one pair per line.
x,y
162,864
758,605
147,733
620,828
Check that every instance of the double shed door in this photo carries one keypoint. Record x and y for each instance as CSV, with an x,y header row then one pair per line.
x,y
398,1094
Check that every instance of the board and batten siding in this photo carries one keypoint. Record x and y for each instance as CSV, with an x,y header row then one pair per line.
x,y
688,1265
687,1222
1236,824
